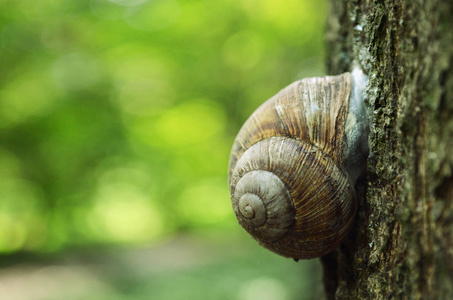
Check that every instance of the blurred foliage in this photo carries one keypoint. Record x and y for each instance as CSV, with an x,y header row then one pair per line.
x,y
189,266
117,116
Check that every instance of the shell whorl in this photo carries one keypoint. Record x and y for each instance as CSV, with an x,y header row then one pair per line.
x,y
286,181
261,198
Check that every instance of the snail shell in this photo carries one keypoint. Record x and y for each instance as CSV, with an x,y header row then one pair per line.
x,y
288,187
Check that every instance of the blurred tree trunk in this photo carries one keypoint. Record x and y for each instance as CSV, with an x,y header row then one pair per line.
x,y
402,245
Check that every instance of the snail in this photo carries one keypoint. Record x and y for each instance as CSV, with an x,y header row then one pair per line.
x,y
293,166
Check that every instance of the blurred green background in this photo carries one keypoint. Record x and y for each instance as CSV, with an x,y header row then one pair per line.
x,y
116,122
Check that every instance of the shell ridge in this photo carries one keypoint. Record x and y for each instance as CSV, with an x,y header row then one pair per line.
x,y
333,204
312,192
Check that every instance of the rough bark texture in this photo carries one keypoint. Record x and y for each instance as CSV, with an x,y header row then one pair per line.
x,y
402,244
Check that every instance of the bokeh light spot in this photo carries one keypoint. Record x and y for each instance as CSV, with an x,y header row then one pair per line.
x,y
124,213
145,96
295,18
188,123
154,15
30,95
131,62
243,50
205,203
76,71
263,289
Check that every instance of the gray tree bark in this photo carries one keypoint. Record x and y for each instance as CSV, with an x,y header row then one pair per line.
x,y
402,244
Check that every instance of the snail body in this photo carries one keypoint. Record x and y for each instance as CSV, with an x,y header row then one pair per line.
x,y
288,185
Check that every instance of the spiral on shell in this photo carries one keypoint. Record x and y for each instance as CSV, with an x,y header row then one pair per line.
x,y
288,186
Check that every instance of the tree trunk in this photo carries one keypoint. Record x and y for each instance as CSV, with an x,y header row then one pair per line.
x,y
402,244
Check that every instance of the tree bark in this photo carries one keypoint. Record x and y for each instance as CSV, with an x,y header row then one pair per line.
x,y
402,244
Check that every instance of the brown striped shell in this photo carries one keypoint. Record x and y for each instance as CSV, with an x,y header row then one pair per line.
x,y
288,187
